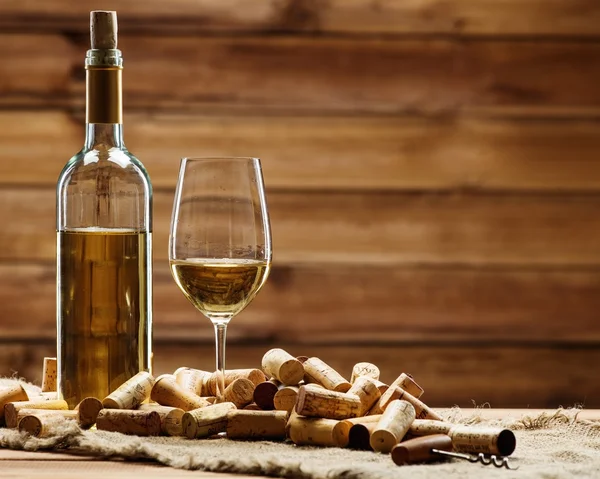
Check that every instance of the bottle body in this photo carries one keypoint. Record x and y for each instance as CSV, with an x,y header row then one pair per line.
x,y
104,252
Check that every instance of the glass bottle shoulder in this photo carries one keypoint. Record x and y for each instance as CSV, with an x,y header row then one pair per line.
x,y
100,160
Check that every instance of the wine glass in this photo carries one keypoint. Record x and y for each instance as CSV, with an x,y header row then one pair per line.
x,y
220,240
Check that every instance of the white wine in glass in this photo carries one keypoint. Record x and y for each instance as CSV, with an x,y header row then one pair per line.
x,y
220,242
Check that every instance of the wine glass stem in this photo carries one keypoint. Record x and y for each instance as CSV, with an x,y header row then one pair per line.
x,y
220,334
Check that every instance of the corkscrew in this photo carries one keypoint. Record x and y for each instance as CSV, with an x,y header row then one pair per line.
x,y
431,448
497,461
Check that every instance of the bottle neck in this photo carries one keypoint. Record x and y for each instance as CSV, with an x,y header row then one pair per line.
x,y
104,99
108,134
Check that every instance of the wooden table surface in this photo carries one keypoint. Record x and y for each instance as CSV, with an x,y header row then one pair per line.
x,y
44,465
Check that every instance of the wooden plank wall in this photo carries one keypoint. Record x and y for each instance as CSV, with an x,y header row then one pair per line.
x,y
433,173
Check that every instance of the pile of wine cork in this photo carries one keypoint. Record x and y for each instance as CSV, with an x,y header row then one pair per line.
x,y
299,399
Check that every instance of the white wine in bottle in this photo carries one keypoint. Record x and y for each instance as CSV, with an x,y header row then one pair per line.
x,y
104,240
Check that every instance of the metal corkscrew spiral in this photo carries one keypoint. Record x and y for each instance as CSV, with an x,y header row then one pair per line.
x,y
481,458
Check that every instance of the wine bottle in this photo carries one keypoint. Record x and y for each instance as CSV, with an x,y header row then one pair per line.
x,y
104,240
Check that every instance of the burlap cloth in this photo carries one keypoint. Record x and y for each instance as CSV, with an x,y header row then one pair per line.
x,y
548,446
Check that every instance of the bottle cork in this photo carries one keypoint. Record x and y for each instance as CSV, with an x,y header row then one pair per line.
x,y
367,391
12,394
488,440
408,384
317,371
364,369
381,386
285,399
11,410
319,402
311,431
423,411
283,366
167,392
40,423
428,427
103,29
193,380
131,393
87,411
418,450
240,392
206,422
49,377
254,375
392,426
257,425
170,418
129,421
341,431
265,392
359,436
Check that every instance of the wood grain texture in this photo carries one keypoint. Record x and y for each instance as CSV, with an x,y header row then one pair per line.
x,y
460,375
454,17
304,74
46,465
331,152
377,228
352,304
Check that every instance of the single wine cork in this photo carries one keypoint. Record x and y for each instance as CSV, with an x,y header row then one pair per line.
x,y
393,393
129,421
206,422
283,366
341,431
257,425
254,375
367,391
11,410
103,29
49,377
428,427
488,440
264,394
87,411
364,369
167,392
285,399
12,394
408,384
311,431
131,393
193,380
392,426
40,423
317,371
240,392
381,386
170,418
418,450
318,402
63,413
359,436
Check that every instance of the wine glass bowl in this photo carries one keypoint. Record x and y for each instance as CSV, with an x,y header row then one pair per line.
x,y
220,239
